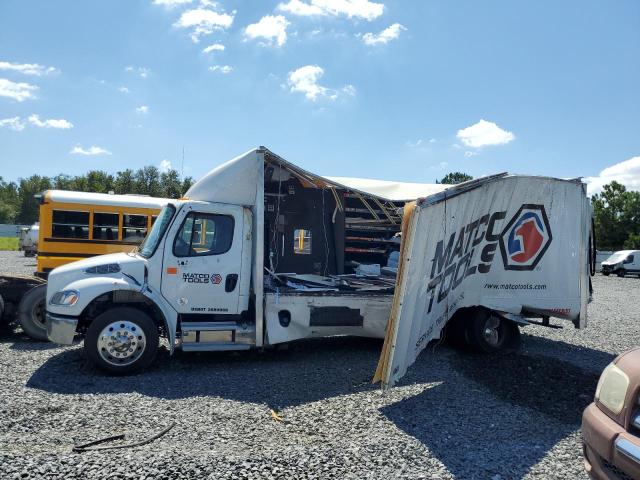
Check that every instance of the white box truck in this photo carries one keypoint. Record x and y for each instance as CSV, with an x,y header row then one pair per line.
x,y
262,252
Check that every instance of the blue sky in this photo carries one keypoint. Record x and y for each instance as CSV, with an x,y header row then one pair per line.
x,y
400,90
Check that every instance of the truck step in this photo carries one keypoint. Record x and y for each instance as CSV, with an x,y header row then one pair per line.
x,y
214,346
209,326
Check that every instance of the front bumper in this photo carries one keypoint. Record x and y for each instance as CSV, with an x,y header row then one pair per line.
x,y
610,452
61,329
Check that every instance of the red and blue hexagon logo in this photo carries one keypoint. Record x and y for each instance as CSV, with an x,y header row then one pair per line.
x,y
526,238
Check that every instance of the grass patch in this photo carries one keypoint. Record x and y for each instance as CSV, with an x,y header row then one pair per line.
x,y
8,243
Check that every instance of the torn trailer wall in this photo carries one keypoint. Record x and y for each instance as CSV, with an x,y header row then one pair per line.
x,y
513,244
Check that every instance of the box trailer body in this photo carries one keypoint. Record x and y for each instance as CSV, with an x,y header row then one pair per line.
x,y
215,272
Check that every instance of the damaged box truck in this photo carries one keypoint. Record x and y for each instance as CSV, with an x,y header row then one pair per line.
x,y
262,252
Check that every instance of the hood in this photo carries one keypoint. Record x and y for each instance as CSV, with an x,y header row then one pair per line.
x,y
130,265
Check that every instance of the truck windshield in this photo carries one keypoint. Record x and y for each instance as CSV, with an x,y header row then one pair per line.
x,y
150,243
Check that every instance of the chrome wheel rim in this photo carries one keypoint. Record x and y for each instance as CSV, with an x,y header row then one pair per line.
x,y
492,331
121,343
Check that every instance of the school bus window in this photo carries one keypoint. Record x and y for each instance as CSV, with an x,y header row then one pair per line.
x,y
70,224
105,226
134,228
153,219
302,241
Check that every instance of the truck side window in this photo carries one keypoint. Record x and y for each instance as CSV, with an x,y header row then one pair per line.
x,y
204,234
302,241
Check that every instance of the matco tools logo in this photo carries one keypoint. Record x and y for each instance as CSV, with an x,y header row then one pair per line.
x,y
213,279
526,238
471,249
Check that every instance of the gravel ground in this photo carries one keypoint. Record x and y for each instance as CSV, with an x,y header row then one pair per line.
x,y
455,415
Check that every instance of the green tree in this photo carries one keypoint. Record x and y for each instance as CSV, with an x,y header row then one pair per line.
x,y
28,204
186,184
9,200
455,177
616,214
148,181
99,181
125,182
171,185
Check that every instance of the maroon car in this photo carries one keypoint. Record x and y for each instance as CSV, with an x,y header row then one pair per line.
x,y
611,424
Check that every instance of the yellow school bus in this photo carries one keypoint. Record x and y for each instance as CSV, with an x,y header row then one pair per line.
x,y
76,225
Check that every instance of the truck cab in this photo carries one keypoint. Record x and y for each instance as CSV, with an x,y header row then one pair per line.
x,y
216,271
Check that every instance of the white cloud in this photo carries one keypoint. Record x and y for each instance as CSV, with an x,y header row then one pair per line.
x,y
385,36
171,3
14,123
28,68
124,90
272,28
202,21
224,69
364,9
93,150
305,80
142,109
143,72
216,47
470,153
18,91
626,173
349,90
484,133
50,123
165,166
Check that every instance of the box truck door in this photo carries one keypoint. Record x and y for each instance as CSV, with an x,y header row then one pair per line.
x,y
203,259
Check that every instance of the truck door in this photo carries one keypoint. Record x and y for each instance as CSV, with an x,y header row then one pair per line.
x,y
203,259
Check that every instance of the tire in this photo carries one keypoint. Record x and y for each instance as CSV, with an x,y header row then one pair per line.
x,y
487,332
31,312
1,308
620,273
122,340
455,332
606,274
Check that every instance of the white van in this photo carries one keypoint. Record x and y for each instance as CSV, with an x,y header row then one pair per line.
x,y
622,263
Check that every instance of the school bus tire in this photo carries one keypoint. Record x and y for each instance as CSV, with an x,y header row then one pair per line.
x,y
31,312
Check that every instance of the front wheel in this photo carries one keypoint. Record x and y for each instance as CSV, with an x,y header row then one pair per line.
x,y
122,340
487,332
31,312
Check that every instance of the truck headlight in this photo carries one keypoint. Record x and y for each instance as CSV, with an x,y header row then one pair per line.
x,y
64,298
612,388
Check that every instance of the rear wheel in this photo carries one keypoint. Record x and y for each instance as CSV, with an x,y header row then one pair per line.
x,y
606,274
489,333
31,312
122,340
620,273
